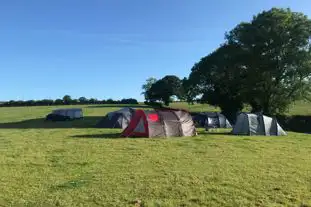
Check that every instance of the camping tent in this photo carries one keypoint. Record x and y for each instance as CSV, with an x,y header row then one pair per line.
x,y
211,120
65,114
257,124
160,123
117,119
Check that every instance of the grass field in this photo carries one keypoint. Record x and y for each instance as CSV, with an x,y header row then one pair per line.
x,y
73,164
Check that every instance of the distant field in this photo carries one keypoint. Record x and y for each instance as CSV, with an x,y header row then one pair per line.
x,y
73,164
300,108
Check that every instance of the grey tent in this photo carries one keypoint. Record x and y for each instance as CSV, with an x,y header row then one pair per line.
x,y
257,124
163,122
117,119
211,120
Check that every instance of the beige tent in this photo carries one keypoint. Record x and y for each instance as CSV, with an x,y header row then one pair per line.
x,y
162,122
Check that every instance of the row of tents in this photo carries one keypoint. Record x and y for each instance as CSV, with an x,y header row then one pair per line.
x,y
167,122
176,122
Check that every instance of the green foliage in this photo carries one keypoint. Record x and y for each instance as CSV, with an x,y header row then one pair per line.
x,y
129,101
277,58
93,101
30,103
165,88
265,63
146,87
110,101
67,99
218,78
58,102
83,100
189,91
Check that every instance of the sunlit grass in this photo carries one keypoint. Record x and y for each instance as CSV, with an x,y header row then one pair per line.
x,y
46,165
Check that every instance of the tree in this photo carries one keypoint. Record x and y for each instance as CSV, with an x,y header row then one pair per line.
x,y
47,102
146,87
129,101
74,102
265,63
93,101
189,92
165,88
67,99
19,103
218,79
103,101
110,101
277,61
58,102
30,103
83,100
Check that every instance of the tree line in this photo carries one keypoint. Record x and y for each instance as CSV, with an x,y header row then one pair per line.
x,y
264,64
67,100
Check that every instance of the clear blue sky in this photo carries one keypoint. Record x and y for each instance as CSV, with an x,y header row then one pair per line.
x,y
108,48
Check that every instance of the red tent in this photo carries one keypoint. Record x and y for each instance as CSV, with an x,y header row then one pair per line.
x,y
160,123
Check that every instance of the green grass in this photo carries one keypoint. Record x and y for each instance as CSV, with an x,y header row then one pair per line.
x,y
73,164
300,108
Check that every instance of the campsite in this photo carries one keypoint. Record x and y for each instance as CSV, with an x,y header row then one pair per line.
x,y
155,103
77,164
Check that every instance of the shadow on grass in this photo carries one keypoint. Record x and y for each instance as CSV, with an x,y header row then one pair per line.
x,y
296,123
100,136
217,133
120,106
86,122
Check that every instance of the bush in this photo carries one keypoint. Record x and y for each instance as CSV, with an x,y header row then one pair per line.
x,y
129,101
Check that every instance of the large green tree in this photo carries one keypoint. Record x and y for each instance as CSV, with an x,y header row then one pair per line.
x,y
276,44
265,63
165,88
218,78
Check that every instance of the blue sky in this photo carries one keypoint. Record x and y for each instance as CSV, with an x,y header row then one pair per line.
x,y
108,48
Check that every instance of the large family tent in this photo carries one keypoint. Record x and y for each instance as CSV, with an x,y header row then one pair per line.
x,y
257,124
211,120
161,122
65,114
117,119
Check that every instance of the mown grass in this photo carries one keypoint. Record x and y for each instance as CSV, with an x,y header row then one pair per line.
x,y
73,164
